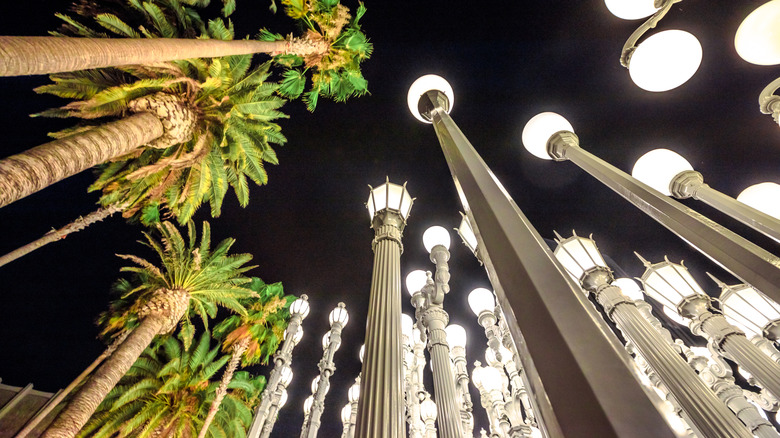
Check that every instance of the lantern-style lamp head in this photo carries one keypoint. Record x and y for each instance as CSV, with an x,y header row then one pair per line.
x,y
673,286
631,9
346,414
456,335
466,233
300,306
286,376
476,374
659,167
581,258
415,281
354,392
750,310
763,197
538,130
629,288
339,315
420,108
758,38
428,410
390,198
481,300
435,236
307,404
283,398
665,60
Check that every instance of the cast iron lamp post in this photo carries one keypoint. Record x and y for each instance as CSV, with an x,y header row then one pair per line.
x,y
380,410
550,136
673,286
412,377
541,301
278,399
754,313
456,336
671,174
428,415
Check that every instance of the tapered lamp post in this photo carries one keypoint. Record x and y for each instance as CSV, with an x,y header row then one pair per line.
x,y
550,136
671,174
542,303
380,409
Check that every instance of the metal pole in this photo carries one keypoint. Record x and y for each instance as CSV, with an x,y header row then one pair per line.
x,y
690,184
560,325
458,356
742,258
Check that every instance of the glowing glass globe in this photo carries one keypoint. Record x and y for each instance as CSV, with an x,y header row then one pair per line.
x,y
658,168
758,37
631,9
423,85
538,131
764,197
665,60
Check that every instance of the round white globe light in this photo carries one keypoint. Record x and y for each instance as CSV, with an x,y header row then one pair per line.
x,y
758,37
658,168
538,131
764,197
630,288
407,325
631,9
436,235
481,300
665,60
423,85
346,414
456,335
415,281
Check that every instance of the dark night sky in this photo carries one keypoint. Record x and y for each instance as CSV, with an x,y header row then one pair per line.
x,y
309,228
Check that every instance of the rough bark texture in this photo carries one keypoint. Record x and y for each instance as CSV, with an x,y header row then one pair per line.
x,y
178,119
26,173
54,235
43,55
53,403
238,351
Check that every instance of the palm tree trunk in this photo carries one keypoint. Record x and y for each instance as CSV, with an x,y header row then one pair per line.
x,y
85,402
26,173
54,235
47,54
238,351
64,393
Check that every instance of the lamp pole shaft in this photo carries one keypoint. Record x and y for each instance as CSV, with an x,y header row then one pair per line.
x,y
380,409
462,384
327,367
560,325
742,258
273,410
708,415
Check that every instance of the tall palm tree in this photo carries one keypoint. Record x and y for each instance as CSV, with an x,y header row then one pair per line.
x,y
167,393
253,337
192,280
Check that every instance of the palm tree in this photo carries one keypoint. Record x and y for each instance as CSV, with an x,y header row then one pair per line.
x,y
253,337
192,280
167,392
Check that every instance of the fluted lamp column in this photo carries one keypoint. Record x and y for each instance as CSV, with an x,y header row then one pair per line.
x,y
338,318
673,286
277,402
380,409
456,336
671,174
708,415
299,309
550,136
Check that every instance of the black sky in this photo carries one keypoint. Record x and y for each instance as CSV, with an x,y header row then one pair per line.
x,y
308,228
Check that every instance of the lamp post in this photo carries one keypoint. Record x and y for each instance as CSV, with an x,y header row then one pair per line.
x,y
560,325
671,174
278,400
550,136
429,299
299,309
456,336
428,415
411,377
346,417
673,286
354,396
518,402
381,393
338,318
488,382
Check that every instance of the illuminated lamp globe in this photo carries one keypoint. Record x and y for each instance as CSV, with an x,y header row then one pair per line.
x,y
434,236
481,300
286,376
417,336
670,284
346,414
407,325
491,379
424,84
283,398
362,352
539,129
325,341
758,37
658,168
307,404
415,281
456,335
506,356
300,307
749,309
315,384
630,288
339,315
764,197
428,410
665,60
354,392
674,316
298,335
476,374
578,255
389,196
631,9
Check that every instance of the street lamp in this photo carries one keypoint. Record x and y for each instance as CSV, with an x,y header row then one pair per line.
x,y
758,39
381,397
707,413
555,323
762,197
750,310
456,337
673,286
741,257
483,304
671,174
428,416
631,9
278,400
